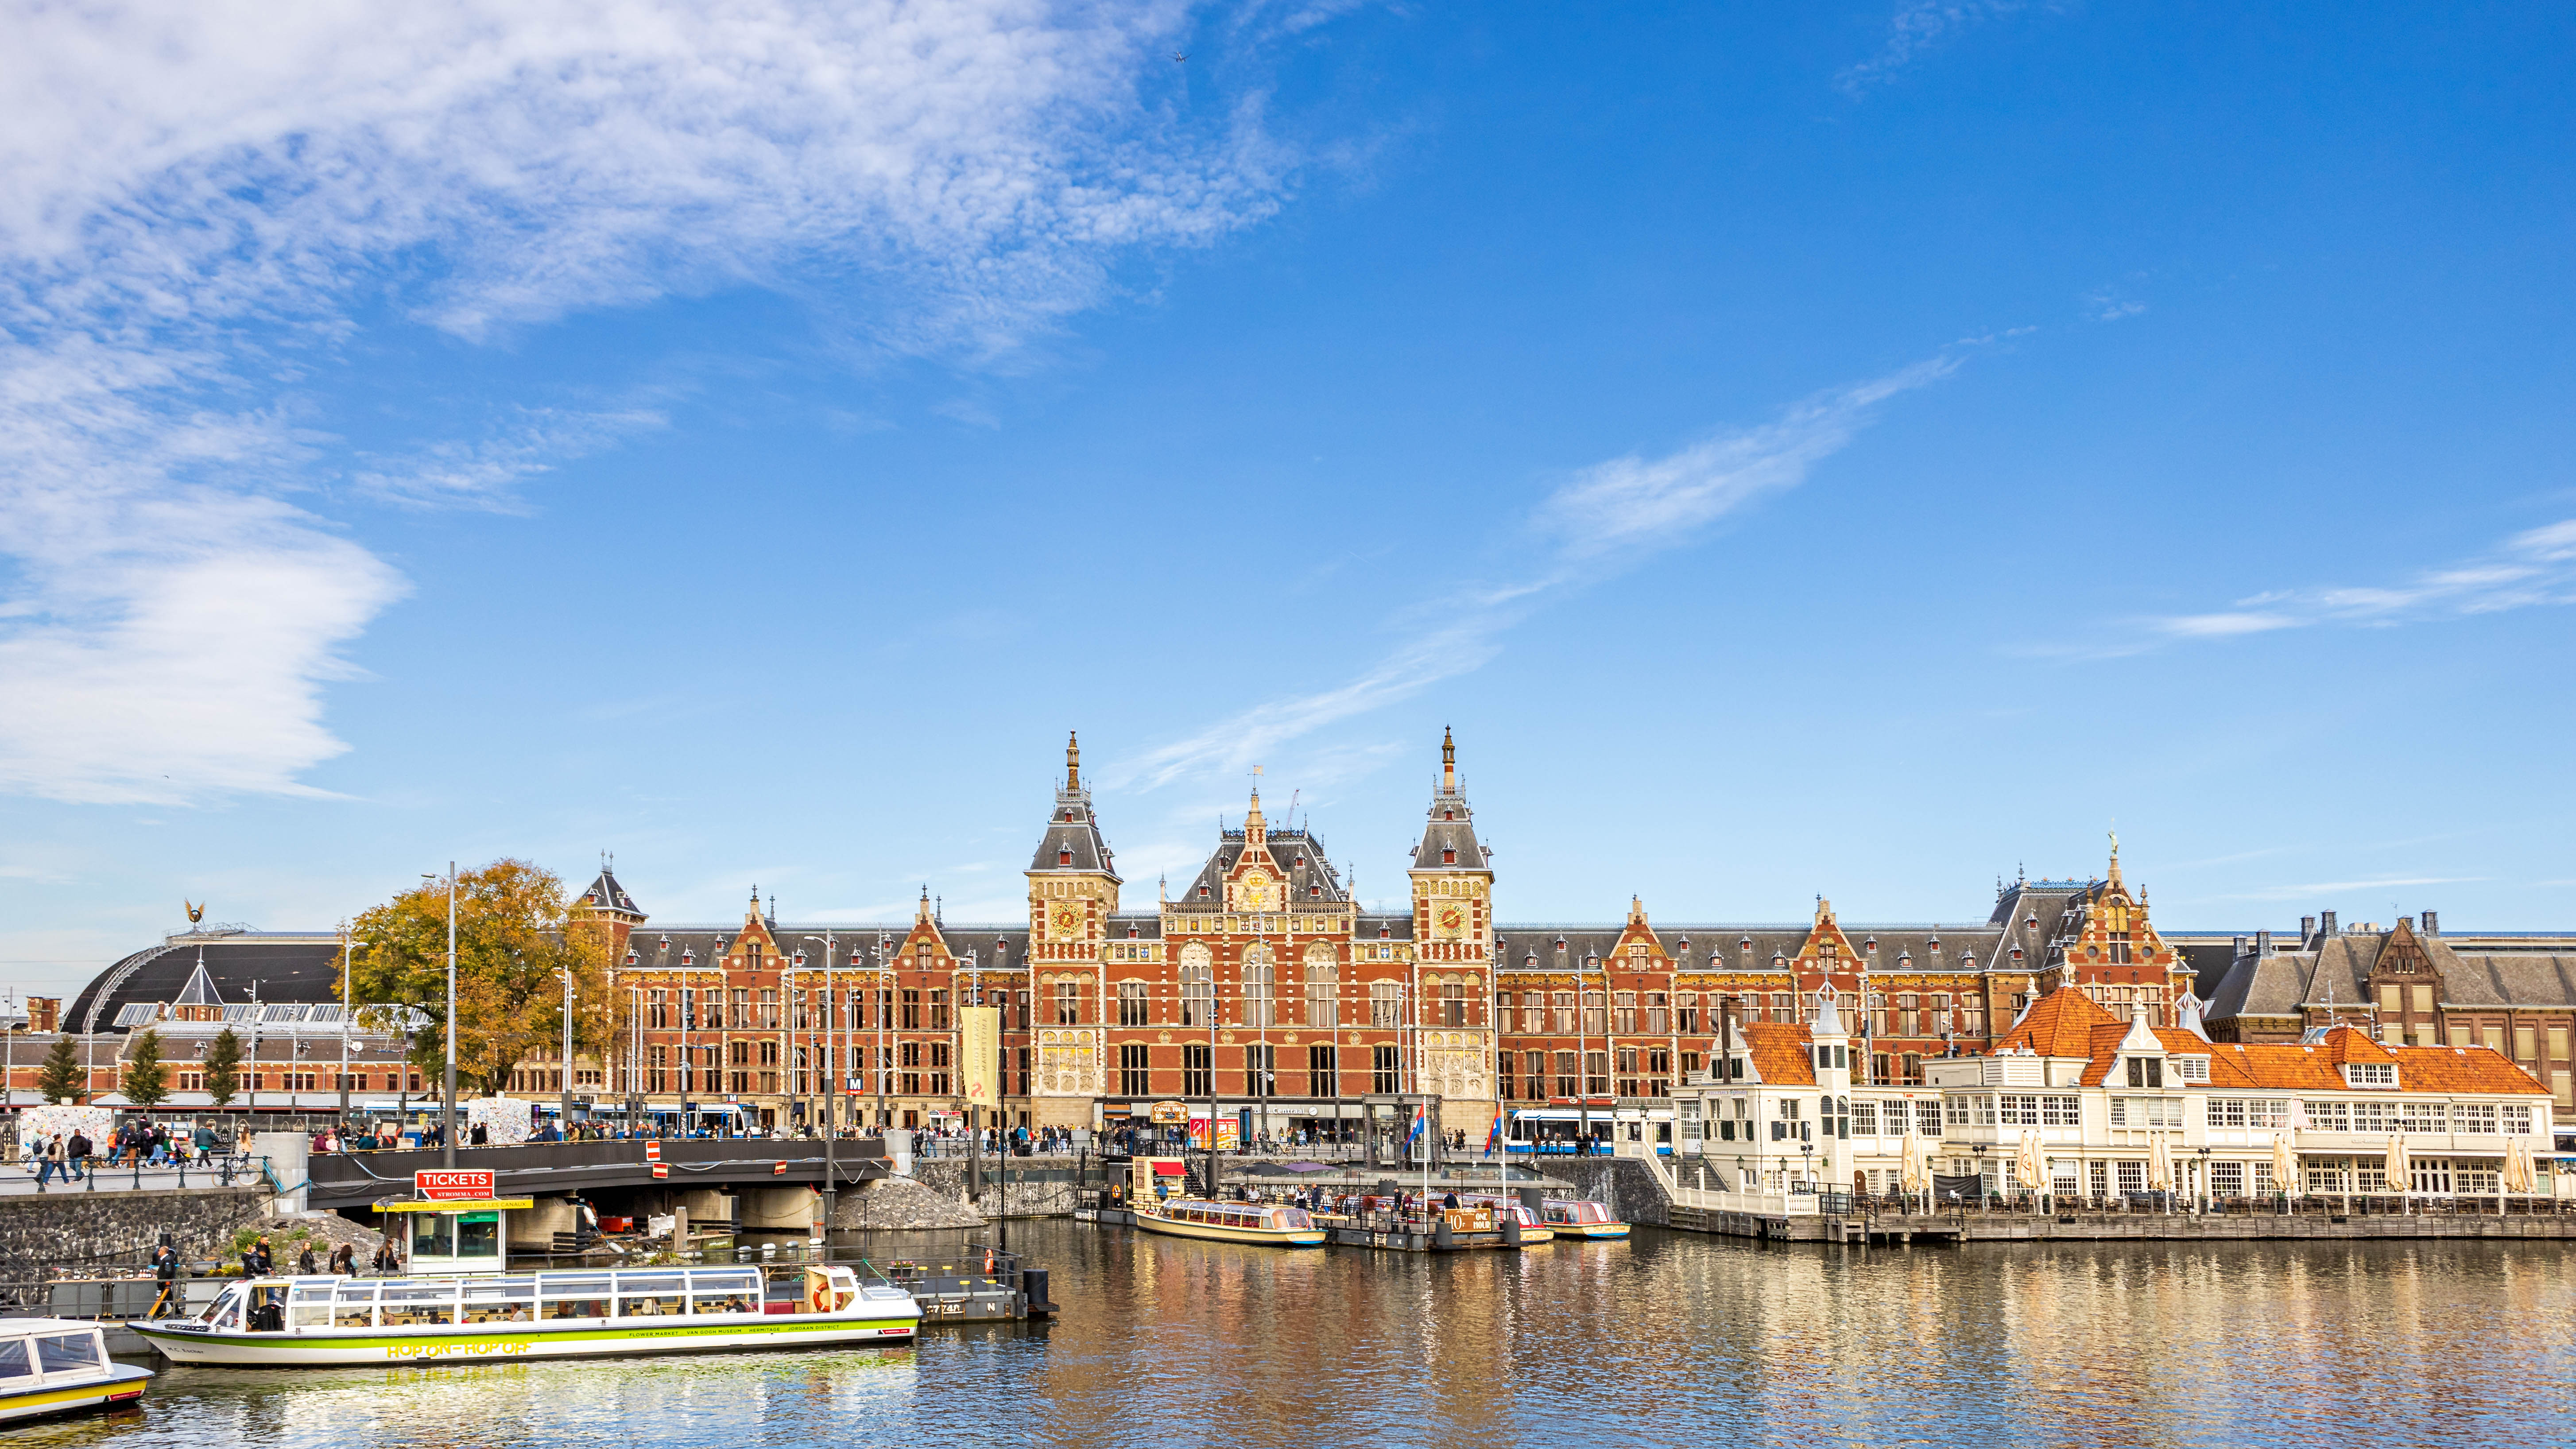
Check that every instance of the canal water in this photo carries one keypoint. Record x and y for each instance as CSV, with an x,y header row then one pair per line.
x,y
1669,1339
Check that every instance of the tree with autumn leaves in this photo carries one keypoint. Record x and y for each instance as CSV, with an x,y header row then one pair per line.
x,y
516,936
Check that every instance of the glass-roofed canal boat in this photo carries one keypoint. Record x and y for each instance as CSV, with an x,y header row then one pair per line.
x,y
58,1366
291,1322
1231,1222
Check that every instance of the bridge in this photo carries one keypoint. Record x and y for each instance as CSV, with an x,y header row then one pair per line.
x,y
611,1173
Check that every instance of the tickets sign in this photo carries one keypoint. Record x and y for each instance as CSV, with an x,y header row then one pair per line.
x,y
441,1186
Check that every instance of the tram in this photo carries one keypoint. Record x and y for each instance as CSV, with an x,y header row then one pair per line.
x,y
1554,1130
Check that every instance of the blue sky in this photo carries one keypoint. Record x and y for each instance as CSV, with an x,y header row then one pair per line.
x,y
1858,451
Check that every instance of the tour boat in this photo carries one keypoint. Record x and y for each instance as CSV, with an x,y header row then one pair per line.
x,y
1535,1231
1231,1222
56,1366
1581,1220
296,1322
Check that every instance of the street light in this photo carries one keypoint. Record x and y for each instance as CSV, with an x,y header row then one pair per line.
x,y
447,1098
831,1100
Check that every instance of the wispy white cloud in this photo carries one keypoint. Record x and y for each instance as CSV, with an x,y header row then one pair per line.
x,y
2534,568
198,203
1916,27
1607,518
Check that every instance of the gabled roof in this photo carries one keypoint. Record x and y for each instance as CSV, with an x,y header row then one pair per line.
x,y
605,894
2061,1024
1782,1052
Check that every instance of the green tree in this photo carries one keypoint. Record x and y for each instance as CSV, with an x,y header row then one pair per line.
x,y
62,1078
147,1078
516,934
223,1067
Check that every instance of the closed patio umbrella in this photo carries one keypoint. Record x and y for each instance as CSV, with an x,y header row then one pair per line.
x,y
2026,1162
2517,1166
1910,1164
2159,1164
2285,1164
2400,1172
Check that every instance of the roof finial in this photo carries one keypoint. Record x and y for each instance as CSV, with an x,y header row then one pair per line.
x,y
2115,855
1072,761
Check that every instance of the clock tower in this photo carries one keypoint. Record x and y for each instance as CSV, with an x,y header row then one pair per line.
x,y
1073,891
1453,936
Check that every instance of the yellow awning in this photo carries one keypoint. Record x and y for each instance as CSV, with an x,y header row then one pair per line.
x,y
457,1205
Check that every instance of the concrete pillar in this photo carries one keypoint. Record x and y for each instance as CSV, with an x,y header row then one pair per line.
x,y
780,1209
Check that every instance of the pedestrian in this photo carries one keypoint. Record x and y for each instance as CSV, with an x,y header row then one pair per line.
x,y
49,1161
76,1152
306,1265
204,1141
257,1261
388,1259
165,1271
344,1262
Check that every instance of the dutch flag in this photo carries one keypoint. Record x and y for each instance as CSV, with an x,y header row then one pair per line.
x,y
1421,1115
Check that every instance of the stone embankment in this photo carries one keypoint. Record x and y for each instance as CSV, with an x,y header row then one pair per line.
x,y
76,1232
939,1194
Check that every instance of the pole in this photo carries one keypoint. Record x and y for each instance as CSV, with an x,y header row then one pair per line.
x,y
447,1102
832,1091
885,1008
563,1124
345,1009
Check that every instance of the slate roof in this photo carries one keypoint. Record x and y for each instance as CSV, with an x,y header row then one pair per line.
x,y
285,967
1311,881
1717,946
997,947
2285,982
1072,841
605,893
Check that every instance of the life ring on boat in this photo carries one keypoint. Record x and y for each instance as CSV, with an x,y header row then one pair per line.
x,y
990,1262
818,1295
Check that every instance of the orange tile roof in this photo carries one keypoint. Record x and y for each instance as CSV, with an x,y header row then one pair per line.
x,y
2061,1024
1782,1052
2067,1023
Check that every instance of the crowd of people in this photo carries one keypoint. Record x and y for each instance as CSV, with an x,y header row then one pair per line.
x,y
72,1156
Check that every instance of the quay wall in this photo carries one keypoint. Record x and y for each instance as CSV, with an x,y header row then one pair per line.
x,y
2263,1226
1039,1188
75,1230
1631,1188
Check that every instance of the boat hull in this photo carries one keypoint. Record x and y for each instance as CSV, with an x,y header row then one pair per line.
x,y
1589,1232
122,1386
1219,1233
489,1342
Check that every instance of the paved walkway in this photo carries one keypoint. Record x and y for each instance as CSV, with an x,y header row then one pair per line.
x,y
17,1182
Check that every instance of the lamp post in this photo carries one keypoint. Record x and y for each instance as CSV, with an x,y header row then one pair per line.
x,y
885,1008
831,1098
563,1109
2202,1185
1980,1150
447,1094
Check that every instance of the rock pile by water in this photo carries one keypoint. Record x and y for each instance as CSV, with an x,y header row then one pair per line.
x,y
900,1204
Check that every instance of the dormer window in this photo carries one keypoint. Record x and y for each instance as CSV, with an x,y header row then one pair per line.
x,y
1315,891
1448,814
1385,931
2370,1074
1448,857
688,958
1064,857
1203,890
2146,1071
2192,1069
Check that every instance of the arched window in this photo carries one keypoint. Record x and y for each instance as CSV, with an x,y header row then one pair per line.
x,y
1198,986
1259,979
1323,987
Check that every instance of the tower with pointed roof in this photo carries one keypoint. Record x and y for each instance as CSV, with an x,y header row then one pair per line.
x,y
1073,891
607,901
1453,934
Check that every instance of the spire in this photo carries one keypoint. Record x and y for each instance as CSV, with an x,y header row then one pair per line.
x,y
1252,822
1072,761
1448,762
1636,910
1829,1016
921,913
2187,1015
1449,836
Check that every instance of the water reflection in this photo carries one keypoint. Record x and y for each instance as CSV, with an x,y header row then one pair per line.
x,y
1667,1339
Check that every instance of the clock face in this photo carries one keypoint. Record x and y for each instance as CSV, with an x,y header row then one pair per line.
x,y
1067,920
1450,921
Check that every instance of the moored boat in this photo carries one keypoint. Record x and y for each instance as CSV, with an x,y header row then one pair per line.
x,y
1231,1222
314,1322
1535,1231
1581,1220
56,1366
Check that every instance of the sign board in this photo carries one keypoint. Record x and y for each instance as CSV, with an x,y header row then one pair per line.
x,y
1171,1114
438,1185
1228,1133
980,1032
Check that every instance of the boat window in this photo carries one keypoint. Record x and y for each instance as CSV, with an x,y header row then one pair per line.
x,y
353,1305
727,1280
649,1282
584,1298
312,1290
406,1304
500,1310
14,1363
309,1310
226,1309
649,1305
1295,1218
726,1303
501,1288
63,1353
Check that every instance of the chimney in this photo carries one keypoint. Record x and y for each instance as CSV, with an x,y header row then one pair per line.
x,y
2262,943
2307,929
2326,925
2240,945
2432,923
44,1013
